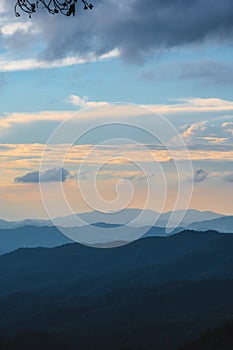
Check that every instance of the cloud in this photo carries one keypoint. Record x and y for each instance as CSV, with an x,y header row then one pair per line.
x,y
83,101
50,175
15,158
4,147
12,28
206,71
36,127
193,129
228,126
3,6
199,175
196,105
209,132
140,178
228,178
33,63
136,28
139,27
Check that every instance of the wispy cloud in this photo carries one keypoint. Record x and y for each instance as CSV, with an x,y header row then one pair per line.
x,y
9,65
26,157
228,127
197,105
9,29
3,6
83,101
187,106
11,119
199,72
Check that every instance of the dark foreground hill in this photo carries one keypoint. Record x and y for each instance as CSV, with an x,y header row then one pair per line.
x,y
156,293
213,339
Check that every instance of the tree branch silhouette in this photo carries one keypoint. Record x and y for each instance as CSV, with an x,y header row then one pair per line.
x,y
66,8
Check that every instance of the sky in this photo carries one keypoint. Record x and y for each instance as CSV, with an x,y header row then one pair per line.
x,y
128,99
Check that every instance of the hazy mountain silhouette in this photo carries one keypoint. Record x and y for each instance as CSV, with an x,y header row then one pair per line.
x,y
42,233
127,216
223,224
119,218
49,237
23,223
29,237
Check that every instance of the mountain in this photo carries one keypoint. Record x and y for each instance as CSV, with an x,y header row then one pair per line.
x,y
127,216
213,339
191,216
35,341
161,232
112,218
33,236
23,223
189,254
223,224
29,237
156,293
36,236
108,237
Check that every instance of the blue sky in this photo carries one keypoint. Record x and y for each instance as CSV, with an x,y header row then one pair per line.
x,y
173,57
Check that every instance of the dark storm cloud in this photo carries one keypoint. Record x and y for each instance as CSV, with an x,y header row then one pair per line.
x,y
200,175
136,27
50,175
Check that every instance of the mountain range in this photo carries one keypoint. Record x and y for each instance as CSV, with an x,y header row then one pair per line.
x,y
222,224
41,233
30,237
156,293
48,237
119,218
